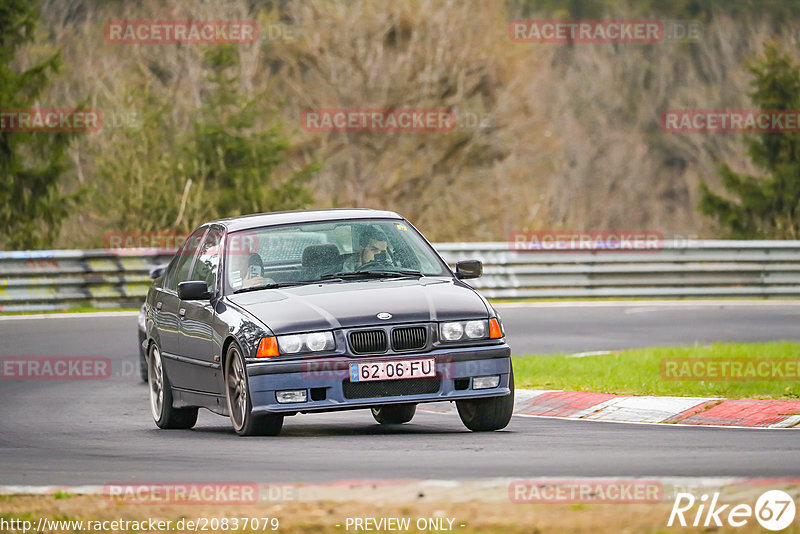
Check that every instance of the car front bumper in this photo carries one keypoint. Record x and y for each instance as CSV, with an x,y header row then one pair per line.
x,y
327,378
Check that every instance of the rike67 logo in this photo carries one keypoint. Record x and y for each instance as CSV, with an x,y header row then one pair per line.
x,y
774,510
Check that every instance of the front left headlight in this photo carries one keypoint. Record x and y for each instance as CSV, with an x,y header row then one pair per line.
x,y
464,330
308,342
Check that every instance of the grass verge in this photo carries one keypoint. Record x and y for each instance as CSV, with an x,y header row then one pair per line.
x,y
492,514
645,371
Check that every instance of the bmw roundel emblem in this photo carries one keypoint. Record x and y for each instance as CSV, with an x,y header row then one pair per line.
x,y
384,315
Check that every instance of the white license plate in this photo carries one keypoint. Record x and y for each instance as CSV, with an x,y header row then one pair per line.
x,y
392,370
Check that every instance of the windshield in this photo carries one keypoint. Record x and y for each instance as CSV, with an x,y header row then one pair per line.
x,y
310,252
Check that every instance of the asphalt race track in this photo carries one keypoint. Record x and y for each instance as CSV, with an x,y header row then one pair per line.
x,y
96,432
562,327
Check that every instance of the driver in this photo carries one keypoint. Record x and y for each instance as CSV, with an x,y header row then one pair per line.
x,y
373,243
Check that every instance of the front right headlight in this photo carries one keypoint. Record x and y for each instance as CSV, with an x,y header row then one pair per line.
x,y
307,342
464,330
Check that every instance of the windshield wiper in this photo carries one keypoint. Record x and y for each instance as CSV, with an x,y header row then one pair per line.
x,y
392,273
402,272
272,286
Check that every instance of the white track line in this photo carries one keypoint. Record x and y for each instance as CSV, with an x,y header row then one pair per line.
x,y
646,303
87,315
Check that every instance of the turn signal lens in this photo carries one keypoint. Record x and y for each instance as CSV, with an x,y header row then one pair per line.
x,y
494,329
267,348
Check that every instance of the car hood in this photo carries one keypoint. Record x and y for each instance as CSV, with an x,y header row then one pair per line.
x,y
356,303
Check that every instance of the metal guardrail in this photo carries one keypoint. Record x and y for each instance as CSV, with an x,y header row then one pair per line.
x,y
57,279
689,269
44,280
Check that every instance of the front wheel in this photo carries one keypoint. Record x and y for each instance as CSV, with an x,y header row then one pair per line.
x,y
394,414
164,414
483,415
237,391
144,372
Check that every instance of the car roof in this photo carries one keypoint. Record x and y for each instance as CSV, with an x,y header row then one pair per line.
x,y
258,220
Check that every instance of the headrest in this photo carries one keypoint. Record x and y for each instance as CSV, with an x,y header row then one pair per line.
x,y
314,255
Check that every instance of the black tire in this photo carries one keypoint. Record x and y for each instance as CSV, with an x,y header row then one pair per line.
x,y
394,414
237,393
484,415
143,370
164,414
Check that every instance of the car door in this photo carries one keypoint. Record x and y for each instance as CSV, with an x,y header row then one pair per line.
x,y
167,306
196,342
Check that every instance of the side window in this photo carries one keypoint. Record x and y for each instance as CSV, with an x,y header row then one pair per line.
x,y
180,268
207,262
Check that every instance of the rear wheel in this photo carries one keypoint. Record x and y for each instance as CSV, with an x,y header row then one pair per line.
x,y
483,415
394,414
237,391
164,414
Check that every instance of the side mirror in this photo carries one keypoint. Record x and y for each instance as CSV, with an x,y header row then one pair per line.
x,y
193,290
468,269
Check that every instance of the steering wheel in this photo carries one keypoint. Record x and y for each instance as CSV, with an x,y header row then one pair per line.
x,y
370,264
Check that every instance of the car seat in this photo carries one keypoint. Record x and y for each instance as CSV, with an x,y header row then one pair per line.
x,y
319,260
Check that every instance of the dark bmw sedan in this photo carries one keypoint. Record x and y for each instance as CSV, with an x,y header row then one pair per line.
x,y
265,316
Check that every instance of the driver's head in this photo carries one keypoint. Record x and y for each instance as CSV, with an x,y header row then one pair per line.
x,y
255,266
373,242
244,263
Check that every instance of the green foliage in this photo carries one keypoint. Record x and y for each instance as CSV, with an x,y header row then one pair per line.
x,y
171,174
769,206
31,163
141,186
234,154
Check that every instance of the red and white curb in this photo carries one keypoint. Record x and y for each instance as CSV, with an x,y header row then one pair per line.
x,y
650,409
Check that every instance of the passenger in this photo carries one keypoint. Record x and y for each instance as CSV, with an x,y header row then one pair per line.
x,y
248,271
